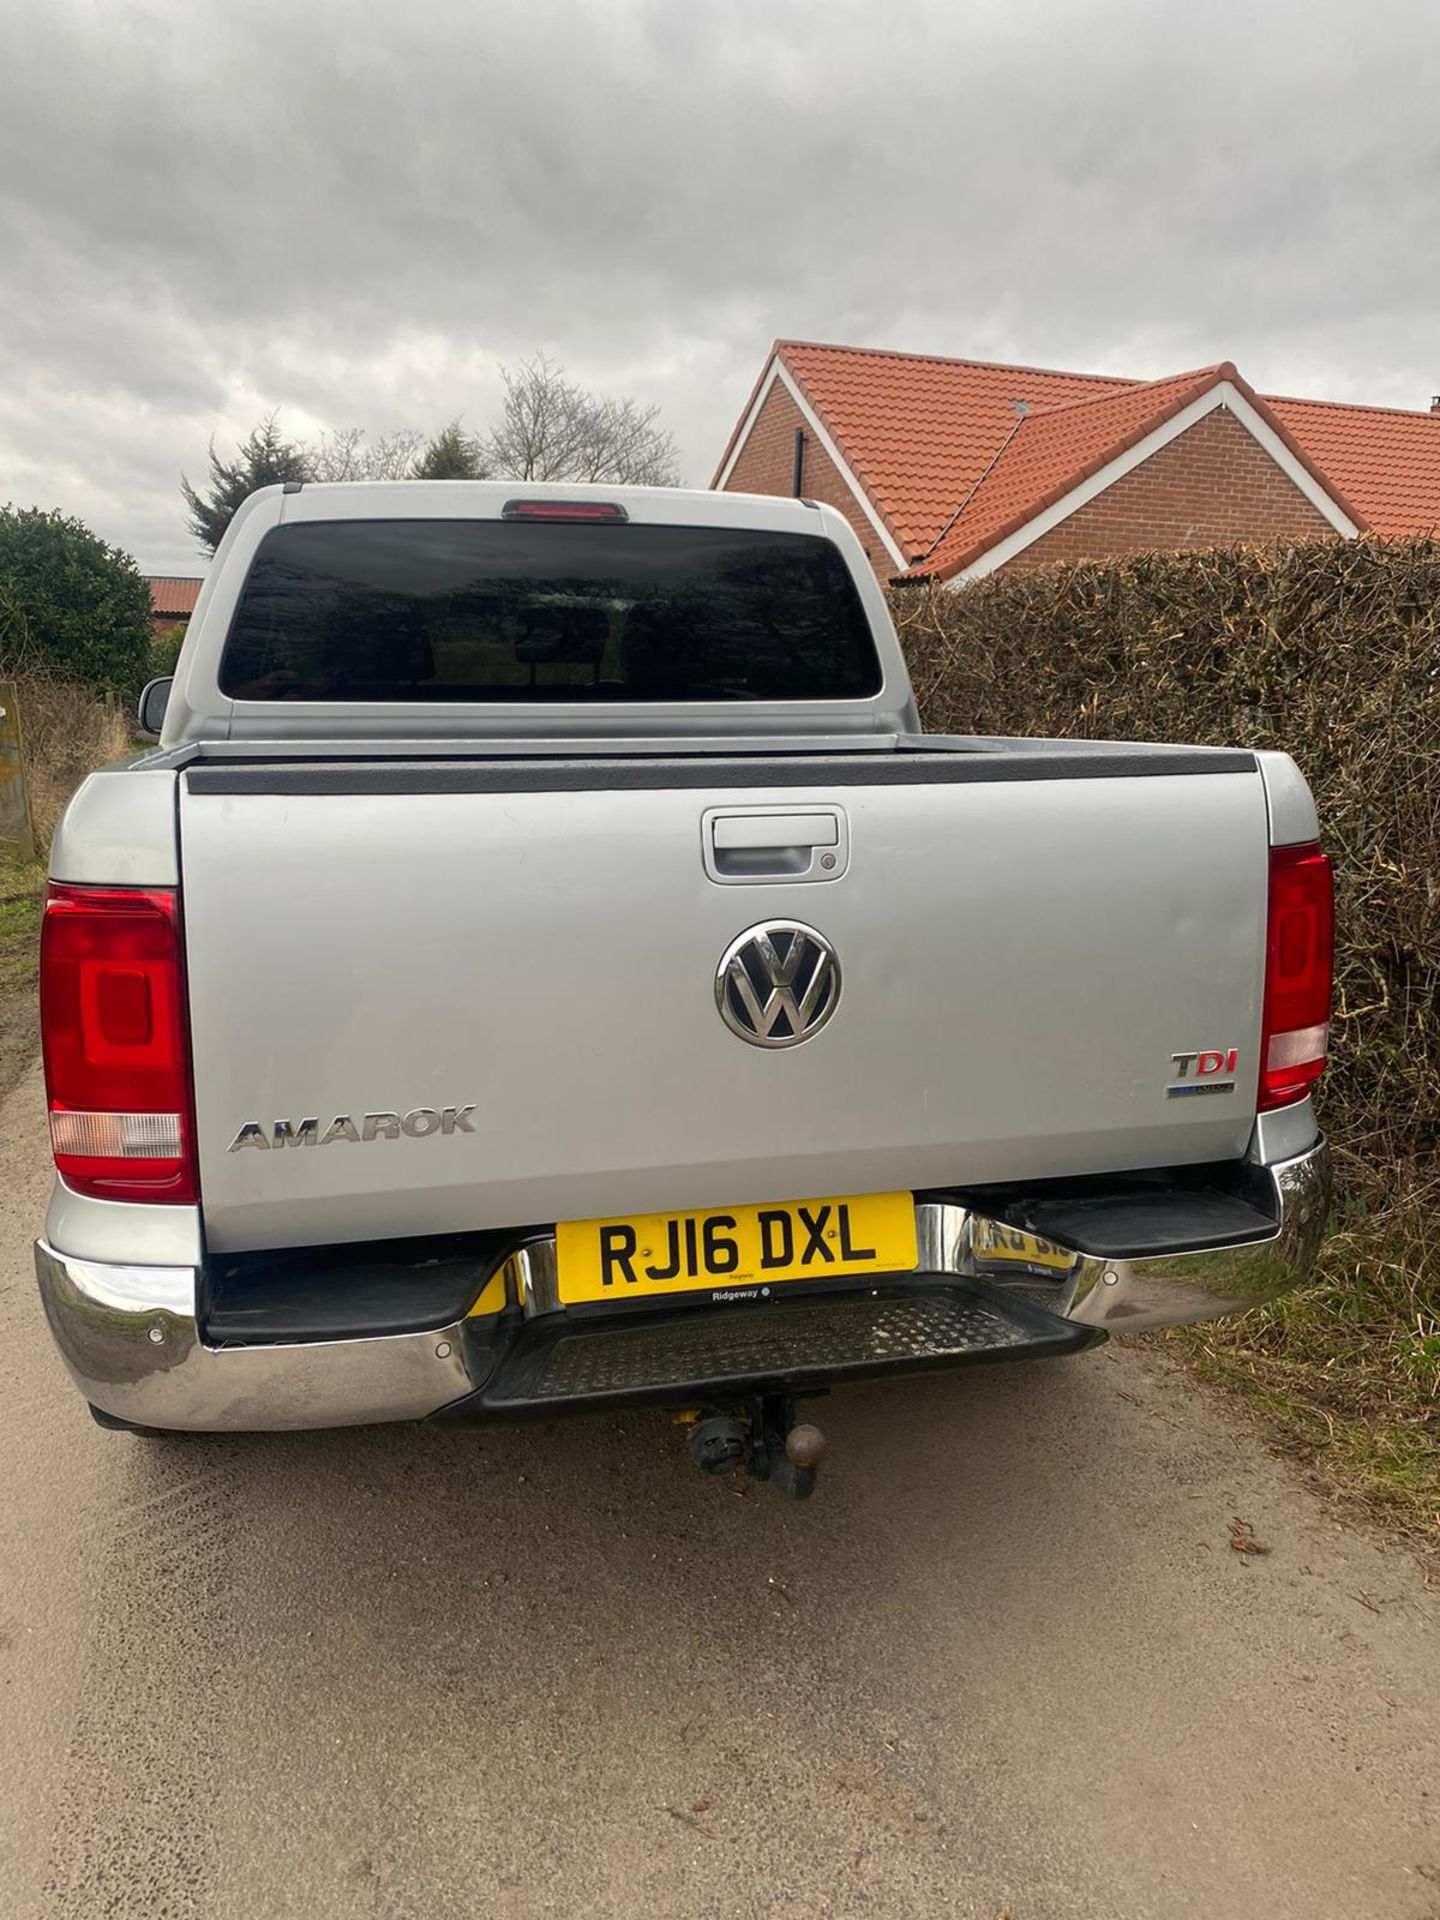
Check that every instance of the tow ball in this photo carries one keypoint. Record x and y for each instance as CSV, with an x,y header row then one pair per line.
x,y
762,1436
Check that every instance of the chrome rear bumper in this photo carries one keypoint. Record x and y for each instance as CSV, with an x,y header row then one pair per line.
x,y
1129,1296
132,1340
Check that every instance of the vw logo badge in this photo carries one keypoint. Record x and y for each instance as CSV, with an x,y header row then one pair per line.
x,y
777,984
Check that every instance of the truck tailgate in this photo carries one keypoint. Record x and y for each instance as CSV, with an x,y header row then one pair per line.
x,y
1021,957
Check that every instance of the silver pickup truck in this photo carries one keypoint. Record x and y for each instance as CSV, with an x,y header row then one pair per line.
x,y
544,966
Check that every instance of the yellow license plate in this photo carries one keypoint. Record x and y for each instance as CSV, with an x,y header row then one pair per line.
x,y
735,1247
997,1242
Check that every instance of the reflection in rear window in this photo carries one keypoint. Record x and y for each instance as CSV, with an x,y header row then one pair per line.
x,y
555,611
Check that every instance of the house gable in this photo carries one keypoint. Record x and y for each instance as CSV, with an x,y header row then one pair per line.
x,y
1212,485
1250,475
761,459
1060,459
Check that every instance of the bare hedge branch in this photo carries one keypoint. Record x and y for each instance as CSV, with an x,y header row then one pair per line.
x,y
1328,650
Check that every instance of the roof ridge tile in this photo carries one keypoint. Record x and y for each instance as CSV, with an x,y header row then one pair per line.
x,y
1115,381
1353,406
1191,378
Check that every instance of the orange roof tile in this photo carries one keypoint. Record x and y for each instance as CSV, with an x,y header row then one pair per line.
x,y
952,465
1049,452
169,595
919,432
1384,459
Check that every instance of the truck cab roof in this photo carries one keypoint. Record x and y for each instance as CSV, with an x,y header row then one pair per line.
x,y
507,610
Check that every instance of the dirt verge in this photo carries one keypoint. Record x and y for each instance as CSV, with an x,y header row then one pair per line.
x,y
22,894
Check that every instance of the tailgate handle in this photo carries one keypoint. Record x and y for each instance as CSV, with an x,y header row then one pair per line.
x,y
771,843
775,830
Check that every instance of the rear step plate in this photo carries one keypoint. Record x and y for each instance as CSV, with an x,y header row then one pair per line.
x,y
916,1324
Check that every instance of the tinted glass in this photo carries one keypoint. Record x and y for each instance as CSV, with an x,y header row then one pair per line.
x,y
556,611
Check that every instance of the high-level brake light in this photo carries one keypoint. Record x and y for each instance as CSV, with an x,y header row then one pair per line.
x,y
1299,957
563,510
117,1044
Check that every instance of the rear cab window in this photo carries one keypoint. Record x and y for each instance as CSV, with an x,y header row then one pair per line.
x,y
495,610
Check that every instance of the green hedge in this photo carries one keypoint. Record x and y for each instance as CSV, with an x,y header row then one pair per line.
x,y
69,604
1330,651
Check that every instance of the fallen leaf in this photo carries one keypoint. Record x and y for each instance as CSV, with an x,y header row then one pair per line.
x,y
1242,1539
688,1820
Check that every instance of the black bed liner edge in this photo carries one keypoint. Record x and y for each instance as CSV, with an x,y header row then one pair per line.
x,y
582,775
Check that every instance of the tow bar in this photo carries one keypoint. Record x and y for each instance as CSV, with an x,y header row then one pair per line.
x,y
762,1436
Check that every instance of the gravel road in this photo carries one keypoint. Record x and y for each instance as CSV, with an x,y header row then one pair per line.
x,y
1005,1663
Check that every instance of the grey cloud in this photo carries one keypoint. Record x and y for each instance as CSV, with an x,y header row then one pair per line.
x,y
354,212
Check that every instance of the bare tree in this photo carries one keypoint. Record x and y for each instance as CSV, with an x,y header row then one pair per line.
x,y
550,429
346,455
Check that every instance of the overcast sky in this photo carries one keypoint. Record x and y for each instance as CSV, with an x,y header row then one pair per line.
x,y
354,213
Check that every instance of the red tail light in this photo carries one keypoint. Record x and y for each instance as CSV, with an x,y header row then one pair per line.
x,y
117,1044
1299,957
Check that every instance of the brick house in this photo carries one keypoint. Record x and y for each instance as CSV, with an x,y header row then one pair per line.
x,y
951,469
172,600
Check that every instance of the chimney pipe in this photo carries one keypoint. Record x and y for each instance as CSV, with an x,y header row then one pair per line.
x,y
1435,403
